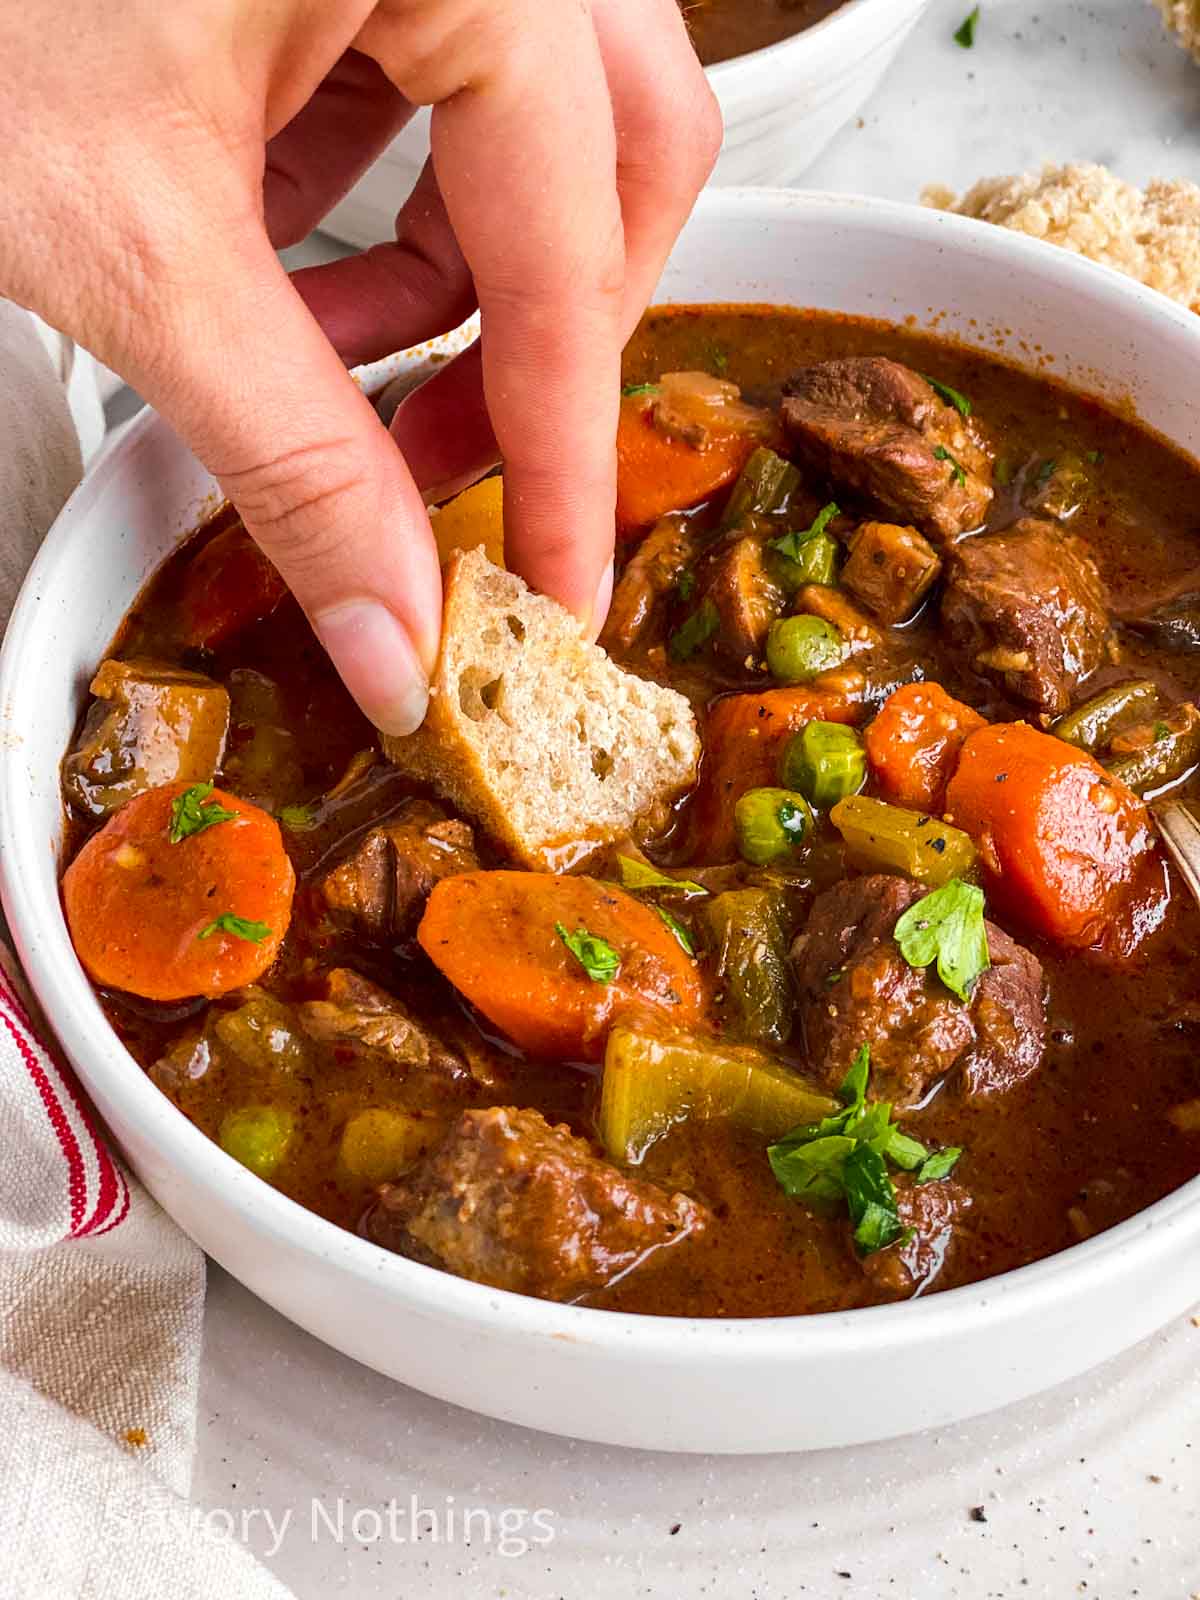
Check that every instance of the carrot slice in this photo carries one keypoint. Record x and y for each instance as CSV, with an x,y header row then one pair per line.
x,y
230,584
914,743
495,937
657,473
743,741
1063,844
162,920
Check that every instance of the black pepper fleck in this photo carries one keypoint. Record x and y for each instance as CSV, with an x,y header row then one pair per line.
x,y
978,1514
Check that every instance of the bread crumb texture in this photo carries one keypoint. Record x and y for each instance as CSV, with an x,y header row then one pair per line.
x,y
1153,234
535,733
1183,18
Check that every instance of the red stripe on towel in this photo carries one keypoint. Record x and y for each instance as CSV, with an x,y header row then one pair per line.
x,y
76,1177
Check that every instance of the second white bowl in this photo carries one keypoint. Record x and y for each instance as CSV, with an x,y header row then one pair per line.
x,y
781,106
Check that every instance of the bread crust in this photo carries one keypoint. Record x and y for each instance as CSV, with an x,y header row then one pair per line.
x,y
534,733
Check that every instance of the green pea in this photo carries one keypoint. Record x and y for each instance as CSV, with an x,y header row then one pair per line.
x,y
798,648
257,1136
825,761
771,824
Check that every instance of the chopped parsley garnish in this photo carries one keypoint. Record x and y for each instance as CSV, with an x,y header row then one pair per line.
x,y
964,34
946,927
192,812
1046,471
682,937
718,360
789,545
1095,457
792,819
958,472
239,927
697,630
685,585
1161,731
952,397
1003,472
870,1199
298,818
939,1165
595,955
631,389
637,875
844,1158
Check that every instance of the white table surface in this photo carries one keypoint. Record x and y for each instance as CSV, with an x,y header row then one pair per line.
x,y
1091,1490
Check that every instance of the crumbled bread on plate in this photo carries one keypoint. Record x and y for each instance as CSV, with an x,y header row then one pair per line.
x,y
534,733
1151,234
1183,18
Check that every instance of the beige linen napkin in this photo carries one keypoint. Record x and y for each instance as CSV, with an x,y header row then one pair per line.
x,y
101,1296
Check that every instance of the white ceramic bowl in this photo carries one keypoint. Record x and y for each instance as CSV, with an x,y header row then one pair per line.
x,y
780,1384
781,106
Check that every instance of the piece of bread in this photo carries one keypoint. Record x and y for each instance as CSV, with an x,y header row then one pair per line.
x,y
1183,17
1153,234
537,735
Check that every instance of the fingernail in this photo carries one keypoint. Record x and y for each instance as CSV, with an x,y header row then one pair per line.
x,y
604,592
371,648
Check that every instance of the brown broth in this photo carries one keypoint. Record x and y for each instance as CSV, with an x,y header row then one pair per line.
x,y
724,28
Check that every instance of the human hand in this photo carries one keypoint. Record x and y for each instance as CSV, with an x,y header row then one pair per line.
x,y
156,156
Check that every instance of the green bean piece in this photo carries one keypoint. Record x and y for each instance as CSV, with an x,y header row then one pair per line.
x,y
825,761
766,484
816,561
771,825
257,1136
1092,725
800,648
749,931
1155,754
886,838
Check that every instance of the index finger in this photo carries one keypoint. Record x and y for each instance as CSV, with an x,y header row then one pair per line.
x,y
525,157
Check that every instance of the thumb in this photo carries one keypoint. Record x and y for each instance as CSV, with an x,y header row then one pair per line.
x,y
242,371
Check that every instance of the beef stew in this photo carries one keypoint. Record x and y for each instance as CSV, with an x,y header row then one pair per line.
x,y
840,1040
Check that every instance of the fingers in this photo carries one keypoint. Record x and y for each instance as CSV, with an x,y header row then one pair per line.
x,y
526,160
242,371
444,430
327,146
396,295
668,128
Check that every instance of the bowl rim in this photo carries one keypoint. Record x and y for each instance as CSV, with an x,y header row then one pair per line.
x,y
848,12
67,996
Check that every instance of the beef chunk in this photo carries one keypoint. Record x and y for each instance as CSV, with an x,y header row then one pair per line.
x,y
856,988
511,1201
736,577
383,884
877,428
1027,608
932,1211
890,569
150,724
359,1015
650,575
